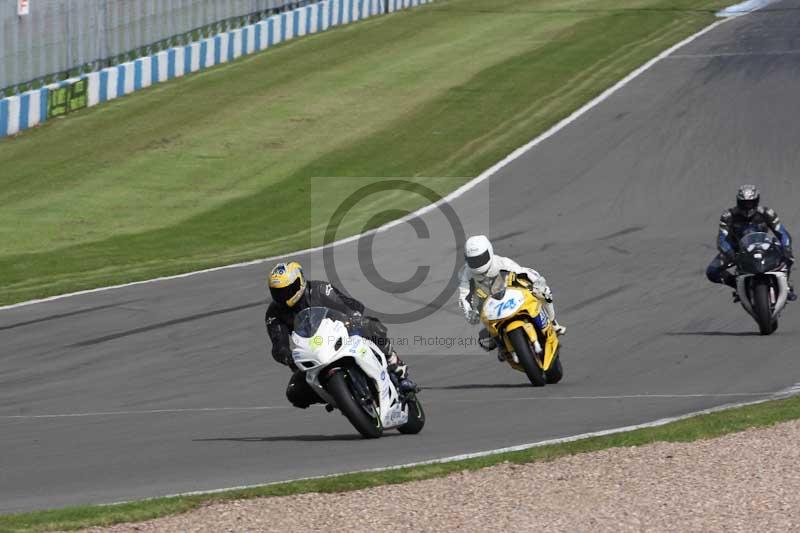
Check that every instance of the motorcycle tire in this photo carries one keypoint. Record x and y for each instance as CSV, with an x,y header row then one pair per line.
x,y
416,417
761,306
555,372
338,386
522,347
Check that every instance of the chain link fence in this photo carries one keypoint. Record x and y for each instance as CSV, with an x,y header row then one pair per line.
x,y
63,38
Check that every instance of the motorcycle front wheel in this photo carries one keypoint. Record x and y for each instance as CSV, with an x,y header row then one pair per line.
x,y
761,306
367,421
522,347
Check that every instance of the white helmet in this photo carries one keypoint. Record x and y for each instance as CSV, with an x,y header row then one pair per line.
x,y
479,254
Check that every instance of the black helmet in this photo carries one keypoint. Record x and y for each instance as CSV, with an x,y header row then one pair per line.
x,y
747,199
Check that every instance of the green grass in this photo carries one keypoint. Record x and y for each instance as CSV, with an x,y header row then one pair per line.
x,y
218,167
691,429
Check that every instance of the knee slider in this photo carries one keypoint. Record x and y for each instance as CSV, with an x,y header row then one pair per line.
x,y
296,398
714,274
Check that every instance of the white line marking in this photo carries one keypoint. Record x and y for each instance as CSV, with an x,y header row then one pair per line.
x,y
744,8
622,397
147,412
483,400
734,54
447,199
786,393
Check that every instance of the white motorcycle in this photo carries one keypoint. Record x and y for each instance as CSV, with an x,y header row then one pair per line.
x,y
762,279
350,373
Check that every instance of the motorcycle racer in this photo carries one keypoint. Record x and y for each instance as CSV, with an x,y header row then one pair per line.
x,y
291,293
745,217
481,268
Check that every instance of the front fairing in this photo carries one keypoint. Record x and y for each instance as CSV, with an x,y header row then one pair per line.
x,y
759,253
322,346
322,343
505,306
758,263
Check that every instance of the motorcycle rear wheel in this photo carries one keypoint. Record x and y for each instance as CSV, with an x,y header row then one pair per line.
x,y
522,347
338,386
416,418
555,372
761,306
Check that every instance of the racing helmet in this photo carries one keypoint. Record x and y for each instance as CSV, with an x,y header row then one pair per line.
x,y
287,283
478,254
747,199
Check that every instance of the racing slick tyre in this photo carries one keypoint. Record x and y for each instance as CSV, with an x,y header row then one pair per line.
x,y
356,404
416,417
522,347
761,306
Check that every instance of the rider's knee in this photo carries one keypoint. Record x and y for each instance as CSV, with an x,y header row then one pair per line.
x,y
299,396
298,400
714,273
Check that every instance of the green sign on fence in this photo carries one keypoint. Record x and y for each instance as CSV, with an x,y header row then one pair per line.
x,y
68,98
57,102
78,95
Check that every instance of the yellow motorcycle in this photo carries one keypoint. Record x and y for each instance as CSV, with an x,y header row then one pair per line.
x,y
516,318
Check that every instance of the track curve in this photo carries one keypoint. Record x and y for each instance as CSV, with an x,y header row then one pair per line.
x,y
167,387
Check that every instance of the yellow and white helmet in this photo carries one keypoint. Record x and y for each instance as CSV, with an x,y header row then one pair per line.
x,y
287,283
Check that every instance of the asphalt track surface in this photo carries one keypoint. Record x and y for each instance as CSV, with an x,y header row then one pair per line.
x,y
168,387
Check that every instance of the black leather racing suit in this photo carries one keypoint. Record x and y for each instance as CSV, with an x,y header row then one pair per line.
x,y
280,323
735,224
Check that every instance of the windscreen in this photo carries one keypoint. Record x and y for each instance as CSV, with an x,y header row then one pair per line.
x,y
499,285
307,321
756,241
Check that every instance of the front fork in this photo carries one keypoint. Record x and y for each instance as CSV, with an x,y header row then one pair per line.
x,y
780,300
538,351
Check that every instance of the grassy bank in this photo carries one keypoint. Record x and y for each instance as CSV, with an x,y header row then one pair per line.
x,y
216,167
700,427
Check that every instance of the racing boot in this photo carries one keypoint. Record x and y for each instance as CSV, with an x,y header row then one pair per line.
x,y
791,296
502,353
399,369
550,309
489,343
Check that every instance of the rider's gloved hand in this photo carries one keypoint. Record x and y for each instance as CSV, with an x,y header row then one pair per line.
x,y
542,292
356,320
486,341
470,315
